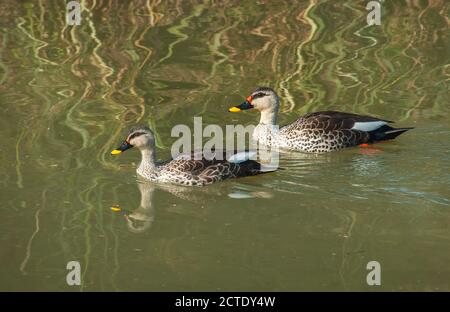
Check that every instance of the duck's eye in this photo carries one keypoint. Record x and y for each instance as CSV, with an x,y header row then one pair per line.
x,y
258,95
135,135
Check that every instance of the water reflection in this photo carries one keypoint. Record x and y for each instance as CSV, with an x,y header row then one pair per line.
x,y
67,92
141,219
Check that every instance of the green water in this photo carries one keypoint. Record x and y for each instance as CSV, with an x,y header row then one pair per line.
x,y
69,93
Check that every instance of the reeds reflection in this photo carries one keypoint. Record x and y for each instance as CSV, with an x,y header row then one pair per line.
x,y
68,92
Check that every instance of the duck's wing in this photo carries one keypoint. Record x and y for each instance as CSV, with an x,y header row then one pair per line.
x,y
197,161
190,165
200,159
221,164
333,120
226,170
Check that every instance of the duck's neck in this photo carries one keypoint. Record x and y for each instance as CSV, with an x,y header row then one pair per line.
x,y
148,162
146,190
268,117
267,129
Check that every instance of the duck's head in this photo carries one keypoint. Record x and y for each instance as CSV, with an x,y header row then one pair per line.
x,y
138,221
262,99
141,137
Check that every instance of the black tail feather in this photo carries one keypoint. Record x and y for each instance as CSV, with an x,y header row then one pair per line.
x,y
386,133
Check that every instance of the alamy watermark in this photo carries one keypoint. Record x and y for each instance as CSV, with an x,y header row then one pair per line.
x,y
232,144
374,276
73,278
73,13
374,15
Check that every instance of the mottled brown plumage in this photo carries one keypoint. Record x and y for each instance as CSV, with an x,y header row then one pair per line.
x,y
315,132
332,120
186,169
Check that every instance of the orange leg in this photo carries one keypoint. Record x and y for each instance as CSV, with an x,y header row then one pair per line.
x,y
367,149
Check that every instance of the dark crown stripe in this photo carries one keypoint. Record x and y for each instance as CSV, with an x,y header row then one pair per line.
x,y
264,89
136,134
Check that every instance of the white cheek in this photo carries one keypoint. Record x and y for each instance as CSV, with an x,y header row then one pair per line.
x,y
260,104
136,142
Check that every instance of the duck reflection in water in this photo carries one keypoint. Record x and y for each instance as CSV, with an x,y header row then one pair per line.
x,y
141,219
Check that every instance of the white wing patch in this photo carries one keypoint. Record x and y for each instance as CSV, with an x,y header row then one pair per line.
x,y
369,125
241,157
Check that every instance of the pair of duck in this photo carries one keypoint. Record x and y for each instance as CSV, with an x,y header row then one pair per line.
x,y
317,132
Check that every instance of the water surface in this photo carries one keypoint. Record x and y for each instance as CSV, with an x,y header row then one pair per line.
x,y
69,93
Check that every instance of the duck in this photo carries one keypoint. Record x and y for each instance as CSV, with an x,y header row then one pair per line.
x,y
185,169
317,132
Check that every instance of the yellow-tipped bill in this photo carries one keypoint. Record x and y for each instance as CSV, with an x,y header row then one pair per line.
x,y
246,105
122,148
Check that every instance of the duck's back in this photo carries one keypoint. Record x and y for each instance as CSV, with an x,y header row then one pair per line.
x,y
329,130
198,168
334,120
